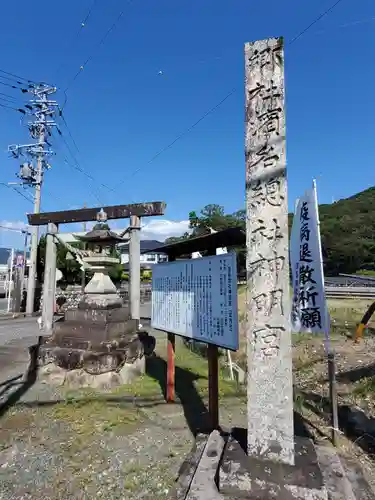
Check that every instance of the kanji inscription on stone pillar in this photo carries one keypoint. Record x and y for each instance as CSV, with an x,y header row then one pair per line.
x,y
270,385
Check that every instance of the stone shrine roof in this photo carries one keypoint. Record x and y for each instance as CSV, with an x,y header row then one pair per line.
x,y
100,235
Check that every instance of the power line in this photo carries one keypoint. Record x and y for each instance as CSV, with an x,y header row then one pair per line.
x,y
76,165
7,95
101,42
12,86
68,129
79,169
18,192
20,110
327,11
13,229
16,76
185,132
11,79
78,33
314,22
5,99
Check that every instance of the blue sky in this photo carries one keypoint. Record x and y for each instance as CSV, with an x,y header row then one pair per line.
x,y
121,112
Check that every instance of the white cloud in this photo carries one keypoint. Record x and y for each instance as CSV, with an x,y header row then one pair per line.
x,y
10,234
161,229
157,229
8,225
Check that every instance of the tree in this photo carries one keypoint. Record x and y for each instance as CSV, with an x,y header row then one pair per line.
x,y
176,239
347,232
213,216
69,267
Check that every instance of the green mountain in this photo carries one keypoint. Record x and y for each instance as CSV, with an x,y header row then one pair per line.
x,y
347,230
348,233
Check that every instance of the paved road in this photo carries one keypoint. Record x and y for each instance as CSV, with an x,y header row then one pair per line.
x,y
145,310
17,335
3,305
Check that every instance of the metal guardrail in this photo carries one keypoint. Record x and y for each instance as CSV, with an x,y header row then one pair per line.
x,y
350,292
332,292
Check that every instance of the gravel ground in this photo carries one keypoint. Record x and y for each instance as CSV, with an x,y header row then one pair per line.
x,y
138,457
57,463
53,446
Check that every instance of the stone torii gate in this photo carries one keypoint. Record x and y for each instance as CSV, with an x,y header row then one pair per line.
x,y
53,219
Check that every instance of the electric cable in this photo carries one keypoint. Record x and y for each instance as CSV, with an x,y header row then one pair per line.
x,y
214,108
14,229
16,190
16,76
68,129
180,136
78,33
317,19
20,110
101,42
76,165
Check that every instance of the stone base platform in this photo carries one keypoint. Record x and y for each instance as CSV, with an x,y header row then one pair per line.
x,y
53,374
92,328
78,361
220,469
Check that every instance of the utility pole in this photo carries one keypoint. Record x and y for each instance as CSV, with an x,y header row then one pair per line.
x,y
42,109
20,276
10,279
83,275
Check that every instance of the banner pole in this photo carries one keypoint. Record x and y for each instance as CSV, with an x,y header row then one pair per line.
x,y
327,330
331,362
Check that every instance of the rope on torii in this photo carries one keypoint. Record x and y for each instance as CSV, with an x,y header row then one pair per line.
x,y
77,252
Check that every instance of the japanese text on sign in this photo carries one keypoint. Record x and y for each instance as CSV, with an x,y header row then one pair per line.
x,y
197,299
309,309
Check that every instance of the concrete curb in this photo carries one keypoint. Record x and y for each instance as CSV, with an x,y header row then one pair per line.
x,y
15,316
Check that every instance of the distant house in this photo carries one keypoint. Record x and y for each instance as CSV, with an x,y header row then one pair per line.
x,y
5,254
147,259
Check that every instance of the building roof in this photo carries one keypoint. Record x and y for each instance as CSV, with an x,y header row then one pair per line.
x,y
5,254
147,246
230,237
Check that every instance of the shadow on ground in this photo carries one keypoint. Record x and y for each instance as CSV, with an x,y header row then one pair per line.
x,y
353,422
195,411
24,385
356,374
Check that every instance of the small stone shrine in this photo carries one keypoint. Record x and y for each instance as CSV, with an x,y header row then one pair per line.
x,y
97,344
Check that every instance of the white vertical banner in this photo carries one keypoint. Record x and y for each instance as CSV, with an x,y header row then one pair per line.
x,y
309,306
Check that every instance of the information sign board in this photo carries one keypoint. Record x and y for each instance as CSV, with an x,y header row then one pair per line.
x,y
197,299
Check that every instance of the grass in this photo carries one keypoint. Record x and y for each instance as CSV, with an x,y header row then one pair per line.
x,y
345,314
347,310
88,412
189,365
365,387
90,415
